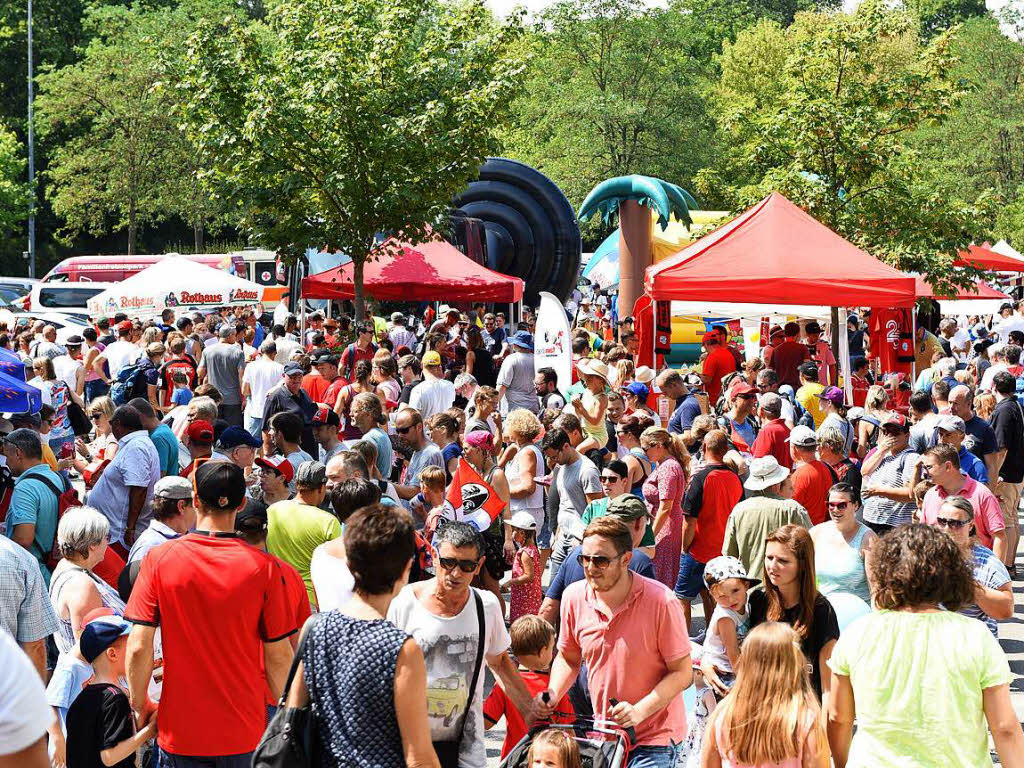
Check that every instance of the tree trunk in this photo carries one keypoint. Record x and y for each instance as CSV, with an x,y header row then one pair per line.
x,y
197,236
131,228
634,253
357,282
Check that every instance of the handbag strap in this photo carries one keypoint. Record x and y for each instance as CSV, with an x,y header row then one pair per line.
x,y
481,630
299,652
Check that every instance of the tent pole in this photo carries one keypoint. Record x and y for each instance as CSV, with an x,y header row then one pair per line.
x,y
845,368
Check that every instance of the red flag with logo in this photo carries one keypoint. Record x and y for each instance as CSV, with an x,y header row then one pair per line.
x,y
471,499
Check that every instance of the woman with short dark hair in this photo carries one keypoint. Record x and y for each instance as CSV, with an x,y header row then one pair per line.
x,y
923,680
372,699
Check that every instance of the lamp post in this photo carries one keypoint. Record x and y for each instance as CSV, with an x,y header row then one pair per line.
x,y
31,157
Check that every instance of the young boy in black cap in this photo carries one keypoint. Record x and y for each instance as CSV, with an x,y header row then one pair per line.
x,y
100,724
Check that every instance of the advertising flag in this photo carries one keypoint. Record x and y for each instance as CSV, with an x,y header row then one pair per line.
x,y
471,499
552,344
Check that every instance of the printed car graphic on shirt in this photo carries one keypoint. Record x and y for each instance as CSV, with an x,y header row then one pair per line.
x,y
447,697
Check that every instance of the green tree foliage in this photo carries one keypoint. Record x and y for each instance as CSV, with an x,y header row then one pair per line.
x,y
822,111
936,16
340,119
14,192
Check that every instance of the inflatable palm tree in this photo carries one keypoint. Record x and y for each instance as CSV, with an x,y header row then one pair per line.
x,y
629,197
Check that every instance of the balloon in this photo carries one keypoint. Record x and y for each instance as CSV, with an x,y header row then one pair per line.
x,y
848,608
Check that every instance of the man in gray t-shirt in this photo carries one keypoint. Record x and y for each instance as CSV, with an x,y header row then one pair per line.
x,y
222,367
576,482
516,387
409,426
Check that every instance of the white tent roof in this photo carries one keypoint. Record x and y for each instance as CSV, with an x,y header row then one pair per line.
x,y
1003,248
702,309
175,283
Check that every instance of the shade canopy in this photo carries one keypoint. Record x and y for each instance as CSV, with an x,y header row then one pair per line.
x,y
434,271
174,283
775,253
981,290
12,365
18,397
983,257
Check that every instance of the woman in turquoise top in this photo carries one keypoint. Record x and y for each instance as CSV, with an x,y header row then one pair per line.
x,y
841,545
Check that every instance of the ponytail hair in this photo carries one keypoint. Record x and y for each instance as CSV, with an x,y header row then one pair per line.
x,y
671,443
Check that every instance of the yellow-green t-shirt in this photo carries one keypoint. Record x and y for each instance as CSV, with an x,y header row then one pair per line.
x,y
917,682
294,530
807,396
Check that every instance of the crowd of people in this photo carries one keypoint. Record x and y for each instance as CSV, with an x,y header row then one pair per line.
x,y
218,519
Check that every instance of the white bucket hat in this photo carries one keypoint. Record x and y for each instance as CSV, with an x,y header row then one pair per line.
x,y
523,520
764,473
593,368
643,375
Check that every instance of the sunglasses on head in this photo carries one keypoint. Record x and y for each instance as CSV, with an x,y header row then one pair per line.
x,y
598,561
451,563
945,522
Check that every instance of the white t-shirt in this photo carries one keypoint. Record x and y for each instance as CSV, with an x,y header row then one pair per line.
x,y
119,354
262,375
1007,324
332,580
24,713
449,647
285,348
432,396
67,369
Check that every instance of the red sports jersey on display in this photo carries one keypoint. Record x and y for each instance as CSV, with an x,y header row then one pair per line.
x,y
892,339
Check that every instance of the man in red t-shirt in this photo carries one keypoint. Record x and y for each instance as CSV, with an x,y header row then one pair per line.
x,y
787,357
812,477
719,362
180,361
362,348
223,612
324,374
773,438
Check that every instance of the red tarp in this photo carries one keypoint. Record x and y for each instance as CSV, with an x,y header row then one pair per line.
x,y
775,253
983,257
435,271
981,290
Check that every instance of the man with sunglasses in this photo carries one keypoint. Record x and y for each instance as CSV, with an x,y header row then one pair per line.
x,y
409,427
631,633
452,623
888,477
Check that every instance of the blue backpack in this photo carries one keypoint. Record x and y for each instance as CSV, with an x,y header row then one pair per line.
x,y
125,385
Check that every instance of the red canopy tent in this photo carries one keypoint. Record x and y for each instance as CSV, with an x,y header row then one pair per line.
x,y
983,257
434,271
775,253
981,290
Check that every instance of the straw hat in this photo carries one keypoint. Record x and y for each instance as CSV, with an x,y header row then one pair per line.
x,y
643,375
593,368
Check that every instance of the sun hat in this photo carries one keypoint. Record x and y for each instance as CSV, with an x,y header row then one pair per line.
x,y
522,520
802,436
764,473
643,375
523,340
593,368
723,567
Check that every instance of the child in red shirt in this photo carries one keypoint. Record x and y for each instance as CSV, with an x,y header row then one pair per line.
x,y
533,645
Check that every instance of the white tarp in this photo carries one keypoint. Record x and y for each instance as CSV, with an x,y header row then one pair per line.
x,y
175,283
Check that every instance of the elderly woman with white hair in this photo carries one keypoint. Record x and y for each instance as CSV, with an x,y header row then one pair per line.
x,y
74,589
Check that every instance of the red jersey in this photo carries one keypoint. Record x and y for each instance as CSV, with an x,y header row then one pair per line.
x,y
498,704
216,600
298,604
316,387
811,482
719,362
333,390
165,377
771,441
710,497
892,339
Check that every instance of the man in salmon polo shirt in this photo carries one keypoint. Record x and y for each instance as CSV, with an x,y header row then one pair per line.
x,y
631,633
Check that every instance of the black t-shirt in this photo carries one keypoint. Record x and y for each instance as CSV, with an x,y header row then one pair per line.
x,y
407,390
100,718
1008,424
824,627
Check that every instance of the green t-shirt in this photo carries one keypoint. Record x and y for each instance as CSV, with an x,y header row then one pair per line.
x,y
599,508
294,530
917,681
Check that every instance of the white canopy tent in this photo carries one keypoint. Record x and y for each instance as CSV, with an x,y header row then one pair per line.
x,y
175,283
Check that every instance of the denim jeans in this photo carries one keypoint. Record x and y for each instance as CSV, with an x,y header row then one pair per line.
x,y
649,756
167,760
94,389
254,426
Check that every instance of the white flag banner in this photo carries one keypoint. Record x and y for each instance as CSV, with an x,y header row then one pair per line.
x,y
552,344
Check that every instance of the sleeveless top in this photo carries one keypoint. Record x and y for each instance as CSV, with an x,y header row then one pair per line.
x,y
355,691
484,370
722,742
637,488
392,388
350,431
536,499
65,636
597,431
844,572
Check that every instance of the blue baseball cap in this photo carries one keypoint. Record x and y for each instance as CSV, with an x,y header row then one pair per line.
x,y
233,436
291,369
642,391
101,633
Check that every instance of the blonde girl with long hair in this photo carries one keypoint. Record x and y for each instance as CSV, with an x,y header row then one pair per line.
x,y
771,719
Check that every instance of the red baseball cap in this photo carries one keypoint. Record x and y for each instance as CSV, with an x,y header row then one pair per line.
x,y
278,464
897,419
741,389
200,430
125,325
325,415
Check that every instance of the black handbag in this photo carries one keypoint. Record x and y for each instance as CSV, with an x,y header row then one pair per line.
x,y
291,739
448,751
81,425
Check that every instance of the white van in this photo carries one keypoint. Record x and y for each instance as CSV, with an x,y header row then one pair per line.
x,y
63,297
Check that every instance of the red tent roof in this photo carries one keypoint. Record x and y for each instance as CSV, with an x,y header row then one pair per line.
x,y
983,257
435,271
775,253
981,290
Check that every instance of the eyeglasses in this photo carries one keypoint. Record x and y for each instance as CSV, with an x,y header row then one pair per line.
x,y
838,504
598,561
451,563
945,522
610,478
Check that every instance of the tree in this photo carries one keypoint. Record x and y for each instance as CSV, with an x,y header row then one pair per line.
x,y
14,192
935,16
822,111
338,120
614,88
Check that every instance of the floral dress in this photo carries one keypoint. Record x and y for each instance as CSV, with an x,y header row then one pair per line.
x,y
526,598
667,481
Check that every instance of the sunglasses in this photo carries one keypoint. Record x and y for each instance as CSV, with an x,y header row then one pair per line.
x,y
95,416
451,563
838,504
945,522
598,561
892,431
403,430
610,478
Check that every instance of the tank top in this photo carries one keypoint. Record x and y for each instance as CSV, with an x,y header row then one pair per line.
x,y
355,691
512,472
844,572
637,488
350,431
597,431
722,742
65,636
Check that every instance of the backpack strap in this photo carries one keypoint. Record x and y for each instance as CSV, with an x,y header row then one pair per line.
x,y
46,481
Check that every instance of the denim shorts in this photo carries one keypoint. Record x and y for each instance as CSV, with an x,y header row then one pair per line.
x,y
690,581
650,756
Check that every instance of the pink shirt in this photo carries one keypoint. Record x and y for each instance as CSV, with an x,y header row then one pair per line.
x,y
988,517
626,652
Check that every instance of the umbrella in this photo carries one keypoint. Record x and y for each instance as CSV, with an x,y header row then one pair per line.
x,y
18,397
12,365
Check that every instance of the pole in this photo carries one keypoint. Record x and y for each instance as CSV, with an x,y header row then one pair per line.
x,y
31,156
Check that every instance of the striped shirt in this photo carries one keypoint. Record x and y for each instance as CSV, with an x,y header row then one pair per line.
x,y
891,472
990,572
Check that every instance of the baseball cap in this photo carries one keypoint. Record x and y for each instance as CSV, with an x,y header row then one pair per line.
x,y
522,520
723,567
898,420
431,360
951,423
125,325
220,485
251,517
642,391
173,487
200,431
742,389
627,507
325,415
277,464
234,436
1005,305
100,634
325,358
310,474
293,369
802,436
832,394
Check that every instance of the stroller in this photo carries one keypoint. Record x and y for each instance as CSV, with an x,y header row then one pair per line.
x,y
602,743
